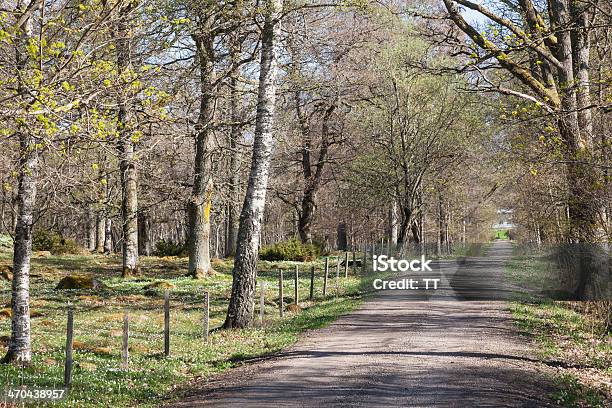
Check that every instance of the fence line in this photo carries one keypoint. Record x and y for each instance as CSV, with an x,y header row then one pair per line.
x,y
69,360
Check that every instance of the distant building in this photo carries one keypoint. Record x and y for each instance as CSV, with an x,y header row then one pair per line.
x,y
505,217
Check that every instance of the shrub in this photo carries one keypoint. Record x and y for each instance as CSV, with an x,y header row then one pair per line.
x,y
45,240
292,250
169,248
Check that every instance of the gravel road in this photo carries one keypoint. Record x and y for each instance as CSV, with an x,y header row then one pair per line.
x,y
399,350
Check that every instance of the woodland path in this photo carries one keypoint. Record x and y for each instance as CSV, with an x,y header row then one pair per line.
x,y
397,350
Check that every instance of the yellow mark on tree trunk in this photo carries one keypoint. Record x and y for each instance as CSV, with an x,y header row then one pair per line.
x,y
209,194
207,210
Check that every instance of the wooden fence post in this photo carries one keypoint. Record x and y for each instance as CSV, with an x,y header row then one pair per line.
x,y
337,275
166,323
125,353
346,264
261,302
325,276
69,343
206,316
280,293
312,271
295,289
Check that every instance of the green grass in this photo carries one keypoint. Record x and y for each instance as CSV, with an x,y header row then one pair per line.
x,y
573,394
502,234
98,379
570,332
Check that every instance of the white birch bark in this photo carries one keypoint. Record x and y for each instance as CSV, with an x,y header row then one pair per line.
x,y
19,346
240,310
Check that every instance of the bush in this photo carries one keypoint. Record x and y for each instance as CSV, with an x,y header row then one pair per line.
x,y
292,250
169,248
45,240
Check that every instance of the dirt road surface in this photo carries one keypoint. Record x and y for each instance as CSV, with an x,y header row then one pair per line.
x,y
400,350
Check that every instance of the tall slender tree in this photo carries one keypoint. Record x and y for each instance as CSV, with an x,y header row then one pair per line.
x,y
240,309
234,177
126,144
20,347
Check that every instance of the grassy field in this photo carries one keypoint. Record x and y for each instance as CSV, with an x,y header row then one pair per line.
x,y
98,379
570,333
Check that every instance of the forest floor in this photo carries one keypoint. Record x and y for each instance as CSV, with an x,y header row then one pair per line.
x,y
399,349
98,379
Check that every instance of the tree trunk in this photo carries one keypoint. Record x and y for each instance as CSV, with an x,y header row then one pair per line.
x,y
232,221
240,310
440,234
108,223
423,242
581,56
404,226
108,236
129,205
144,233
306,215
312,180
393,223
201,197
447,238
416,232
19,347
126,148
100,232
91,230
341,237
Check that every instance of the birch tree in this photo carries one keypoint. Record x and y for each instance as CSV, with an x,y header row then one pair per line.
x,y
39,103
19,347
240,309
